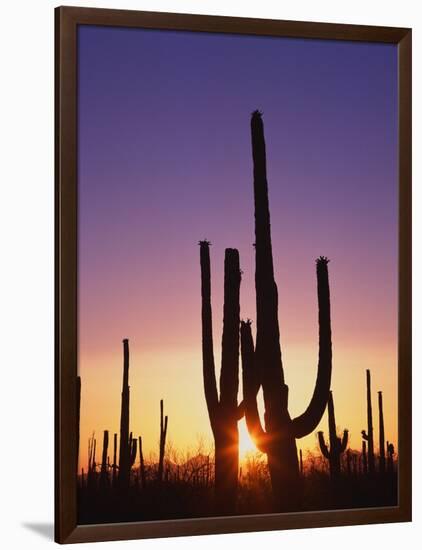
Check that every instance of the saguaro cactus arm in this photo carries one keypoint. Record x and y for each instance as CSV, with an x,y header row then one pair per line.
x,y
210,384
344,441
309,420
323,445
133,451
251,387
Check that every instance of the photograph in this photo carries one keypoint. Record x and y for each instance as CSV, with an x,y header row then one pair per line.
x,y
237,274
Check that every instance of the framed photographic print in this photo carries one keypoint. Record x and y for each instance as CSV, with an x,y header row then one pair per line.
x,y
233,274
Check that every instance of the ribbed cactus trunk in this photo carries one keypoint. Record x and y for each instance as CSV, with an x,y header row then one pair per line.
x,y
369,435
264,365
124,449
224,413
337,445
381,434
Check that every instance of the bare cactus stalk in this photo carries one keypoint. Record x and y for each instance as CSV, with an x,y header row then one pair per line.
x,y
369,436
141,465
124,450
337,445
265,367
92,466
224,413
103,472
163,434
114,465
133,451
381,435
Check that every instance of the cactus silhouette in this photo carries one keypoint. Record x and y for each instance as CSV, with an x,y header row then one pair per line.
x,y
114,465
92,465
163,434
104,473
337,445
133,450
278,439
381,435
223,412
364,458
124,449
390,457
369,435
301,462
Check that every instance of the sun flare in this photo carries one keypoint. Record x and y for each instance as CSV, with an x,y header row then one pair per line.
x,y
246,445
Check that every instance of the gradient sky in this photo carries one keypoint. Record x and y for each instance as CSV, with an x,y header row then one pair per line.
x,y
165,160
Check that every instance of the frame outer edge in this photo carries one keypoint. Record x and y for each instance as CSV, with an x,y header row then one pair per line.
x,y
66,21
65,274
405,275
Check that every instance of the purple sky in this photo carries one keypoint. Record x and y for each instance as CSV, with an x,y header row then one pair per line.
x,y
165,160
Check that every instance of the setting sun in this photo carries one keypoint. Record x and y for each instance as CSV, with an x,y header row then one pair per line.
x,y
246,445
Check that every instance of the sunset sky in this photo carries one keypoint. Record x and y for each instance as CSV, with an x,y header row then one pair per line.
x,y
165,160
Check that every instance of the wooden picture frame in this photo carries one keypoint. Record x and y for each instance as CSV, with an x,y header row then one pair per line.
x,y
67,20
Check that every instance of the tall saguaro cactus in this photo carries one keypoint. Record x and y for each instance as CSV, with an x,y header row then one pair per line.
x,y
163,435
223,412
337,445
369,435
381,434
124,449
265,367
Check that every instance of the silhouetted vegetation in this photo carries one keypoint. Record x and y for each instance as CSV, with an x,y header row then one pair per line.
x,y
187,489
275,478
263,366
337,445
368,436
224,413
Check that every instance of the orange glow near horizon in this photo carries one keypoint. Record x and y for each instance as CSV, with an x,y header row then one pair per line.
x,y
176,376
